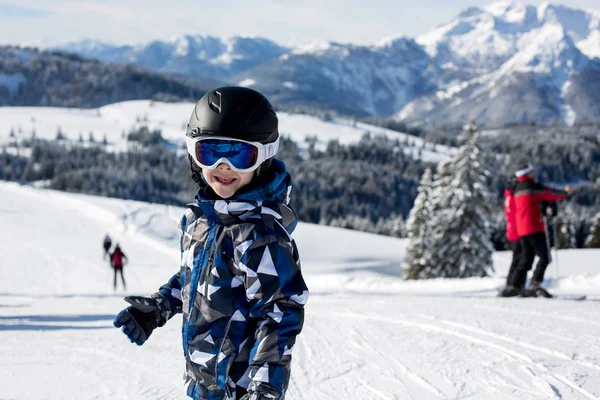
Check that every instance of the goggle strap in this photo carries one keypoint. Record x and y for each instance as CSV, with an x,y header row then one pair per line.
x,y
271,149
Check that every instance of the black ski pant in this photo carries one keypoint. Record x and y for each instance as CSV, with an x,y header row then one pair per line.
x,y
532,245
118,268
517,250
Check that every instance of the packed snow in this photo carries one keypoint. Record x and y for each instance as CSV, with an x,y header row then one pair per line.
x,y
368,334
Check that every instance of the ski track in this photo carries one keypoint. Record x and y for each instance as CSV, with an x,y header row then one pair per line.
x,y
397,366
519,342
530,313
476,340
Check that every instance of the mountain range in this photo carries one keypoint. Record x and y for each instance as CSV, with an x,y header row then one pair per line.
x,y
505,63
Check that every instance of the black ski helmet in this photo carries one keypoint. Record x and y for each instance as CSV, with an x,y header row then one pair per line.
x,y
234,112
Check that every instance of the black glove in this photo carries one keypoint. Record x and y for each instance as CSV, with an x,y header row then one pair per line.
x,y
264,393
140,319
256,396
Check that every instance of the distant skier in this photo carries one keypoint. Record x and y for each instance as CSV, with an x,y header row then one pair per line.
x,y
510,213
529,195
117,260
106,244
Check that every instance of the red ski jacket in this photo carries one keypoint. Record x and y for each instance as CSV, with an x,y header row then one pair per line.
x,y
511,216
528,196
117,258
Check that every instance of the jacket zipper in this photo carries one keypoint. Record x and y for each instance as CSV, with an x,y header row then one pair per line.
x,y
227,389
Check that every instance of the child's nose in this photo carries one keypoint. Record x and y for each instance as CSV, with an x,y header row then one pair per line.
x,y
224,166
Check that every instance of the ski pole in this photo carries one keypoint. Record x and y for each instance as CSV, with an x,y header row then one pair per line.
x,y
555,228
547,238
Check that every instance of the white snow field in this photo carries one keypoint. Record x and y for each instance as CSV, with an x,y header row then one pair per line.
x,y
114,121
367,334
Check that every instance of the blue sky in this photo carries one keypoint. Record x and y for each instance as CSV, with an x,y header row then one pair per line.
x,y
51,22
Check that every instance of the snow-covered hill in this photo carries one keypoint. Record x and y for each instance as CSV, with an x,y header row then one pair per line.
x,y
30,77
116,120
368,335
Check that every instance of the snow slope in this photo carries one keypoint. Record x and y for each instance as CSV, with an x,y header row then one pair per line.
x,y
114,121
368,334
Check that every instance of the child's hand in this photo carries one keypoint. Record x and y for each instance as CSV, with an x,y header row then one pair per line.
x,y
139,320
264,394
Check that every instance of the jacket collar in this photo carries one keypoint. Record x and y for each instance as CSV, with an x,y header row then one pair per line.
x,y
268,196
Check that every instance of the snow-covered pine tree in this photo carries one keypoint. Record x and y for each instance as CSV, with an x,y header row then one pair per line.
x,y
567,229
460,223
398,227
416,227
593,240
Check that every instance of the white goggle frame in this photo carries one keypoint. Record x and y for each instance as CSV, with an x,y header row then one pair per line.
x,y
265,151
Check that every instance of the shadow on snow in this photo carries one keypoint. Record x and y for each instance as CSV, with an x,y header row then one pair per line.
x,y
37,322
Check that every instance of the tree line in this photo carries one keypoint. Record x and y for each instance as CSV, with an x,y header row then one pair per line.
x,y
369,186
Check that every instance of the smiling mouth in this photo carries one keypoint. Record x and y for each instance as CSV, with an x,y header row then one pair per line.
x,y
224,181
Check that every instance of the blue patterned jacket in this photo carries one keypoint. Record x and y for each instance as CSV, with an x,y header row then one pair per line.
x,y
240,290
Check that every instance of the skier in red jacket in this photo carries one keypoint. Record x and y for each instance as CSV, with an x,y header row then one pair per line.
x,y
117,260
510,213
529,195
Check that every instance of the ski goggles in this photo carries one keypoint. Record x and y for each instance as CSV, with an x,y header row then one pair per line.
x,y
240,155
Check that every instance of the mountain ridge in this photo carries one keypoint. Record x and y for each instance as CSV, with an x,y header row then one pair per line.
x,y
419,80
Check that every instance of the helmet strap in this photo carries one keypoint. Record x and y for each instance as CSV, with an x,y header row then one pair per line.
x,y
264,167
196,172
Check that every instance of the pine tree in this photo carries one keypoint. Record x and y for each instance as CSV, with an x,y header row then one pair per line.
x,y
398,227
59,134
593,240
460,223
416,227
567,230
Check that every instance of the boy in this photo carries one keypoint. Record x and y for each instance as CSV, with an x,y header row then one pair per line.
x,y
240,287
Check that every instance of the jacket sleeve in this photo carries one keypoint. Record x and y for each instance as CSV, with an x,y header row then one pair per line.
x,y
277,294
548,194
169,294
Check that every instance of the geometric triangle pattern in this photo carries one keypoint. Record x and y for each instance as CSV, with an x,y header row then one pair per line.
x,y
240,290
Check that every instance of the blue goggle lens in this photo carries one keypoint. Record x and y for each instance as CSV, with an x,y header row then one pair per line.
x,y
241,155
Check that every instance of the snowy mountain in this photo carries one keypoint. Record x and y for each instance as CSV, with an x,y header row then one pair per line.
x,y
511,63
361,80
481,40
367,333
507,62
368,80
192,55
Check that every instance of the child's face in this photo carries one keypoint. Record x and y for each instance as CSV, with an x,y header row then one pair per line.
x,y
225,181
